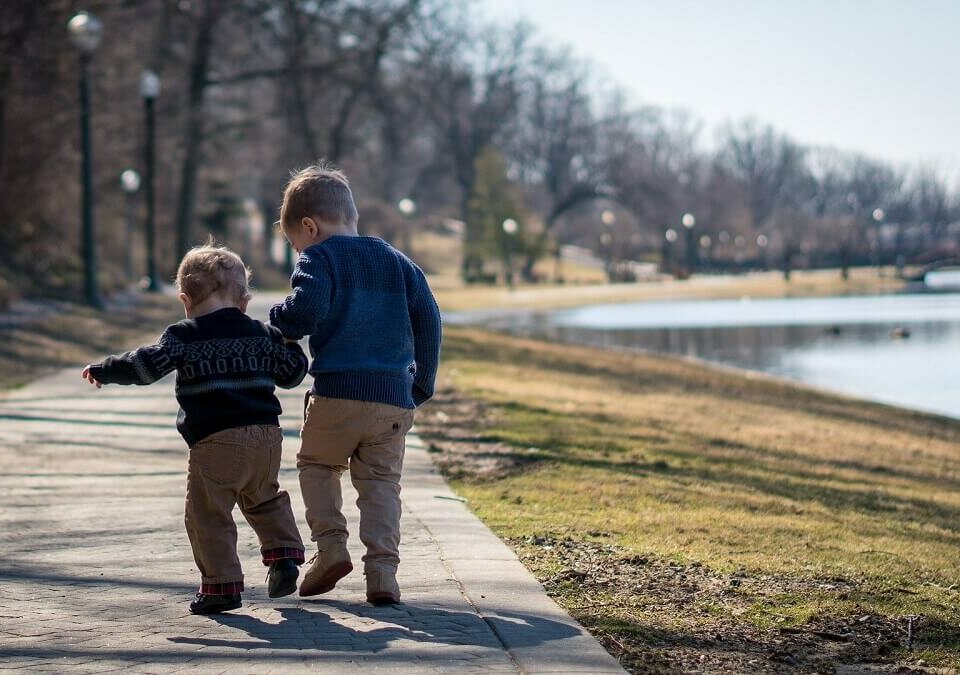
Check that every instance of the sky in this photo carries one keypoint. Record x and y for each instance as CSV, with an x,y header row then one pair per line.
x,y
880,77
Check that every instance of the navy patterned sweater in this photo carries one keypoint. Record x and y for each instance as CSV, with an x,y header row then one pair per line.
x,y
227,365
373,323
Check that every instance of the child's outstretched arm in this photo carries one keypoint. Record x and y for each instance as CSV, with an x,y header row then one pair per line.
x,y
141,366
309,302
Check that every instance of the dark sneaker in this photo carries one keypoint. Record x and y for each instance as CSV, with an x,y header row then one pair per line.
x,y
214,604
282,578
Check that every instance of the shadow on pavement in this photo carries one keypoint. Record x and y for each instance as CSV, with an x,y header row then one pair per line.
x,y
301,628
43,576
84,421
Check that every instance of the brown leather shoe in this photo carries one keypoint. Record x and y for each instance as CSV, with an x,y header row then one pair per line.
x,y
382,588
328,567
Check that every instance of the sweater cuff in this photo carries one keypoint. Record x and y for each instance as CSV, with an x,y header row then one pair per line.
x,y
276,318
420,396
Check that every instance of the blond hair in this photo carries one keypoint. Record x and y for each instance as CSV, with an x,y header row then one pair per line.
x,y
209,269
318,191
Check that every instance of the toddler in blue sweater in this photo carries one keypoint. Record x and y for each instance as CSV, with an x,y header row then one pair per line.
x,y
374,330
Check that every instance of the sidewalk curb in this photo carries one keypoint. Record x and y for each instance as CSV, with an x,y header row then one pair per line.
x,y
493,579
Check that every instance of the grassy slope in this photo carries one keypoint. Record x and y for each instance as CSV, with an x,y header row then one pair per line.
x,y
847,507
75,334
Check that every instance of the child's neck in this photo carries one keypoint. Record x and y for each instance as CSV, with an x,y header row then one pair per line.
x,y
340,229
212,304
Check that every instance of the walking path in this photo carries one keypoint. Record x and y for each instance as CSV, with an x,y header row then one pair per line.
x,y
96,571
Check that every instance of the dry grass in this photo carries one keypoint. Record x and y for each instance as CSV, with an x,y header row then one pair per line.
x,y
453,295
70,335
845,507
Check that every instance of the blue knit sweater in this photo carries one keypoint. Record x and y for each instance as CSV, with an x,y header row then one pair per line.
x,y
373,323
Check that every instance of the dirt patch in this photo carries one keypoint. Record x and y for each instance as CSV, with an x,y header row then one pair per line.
x,y
455,427
661,616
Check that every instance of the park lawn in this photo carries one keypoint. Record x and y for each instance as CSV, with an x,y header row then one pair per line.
x,y
727,504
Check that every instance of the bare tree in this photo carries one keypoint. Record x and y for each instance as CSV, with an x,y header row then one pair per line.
x,y
203,17
471,94
554,141
770,165
772,169
932,206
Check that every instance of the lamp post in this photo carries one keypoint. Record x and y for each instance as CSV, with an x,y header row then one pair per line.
x,y
705,243
762,242
878,216
85,31
510,228
149,90
407,208
688,222
669,239
608,218
130,184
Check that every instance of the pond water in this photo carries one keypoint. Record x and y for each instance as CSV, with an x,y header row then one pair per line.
x,y
948,279
899,349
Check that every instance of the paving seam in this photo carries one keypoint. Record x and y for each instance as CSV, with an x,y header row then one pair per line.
x,y
463,592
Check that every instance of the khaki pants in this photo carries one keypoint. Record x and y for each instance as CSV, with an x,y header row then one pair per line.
x,y
237,467
368,438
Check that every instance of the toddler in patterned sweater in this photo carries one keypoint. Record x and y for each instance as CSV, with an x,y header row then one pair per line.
x,y
227,365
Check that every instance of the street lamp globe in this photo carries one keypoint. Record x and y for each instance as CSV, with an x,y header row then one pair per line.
x,y
688,221
670,235
407,206
347,41
510,226
705,241
149,84
878,215
762,240
85,31
608,217
130,181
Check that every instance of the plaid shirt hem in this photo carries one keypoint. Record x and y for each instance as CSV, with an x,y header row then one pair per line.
x,y
228,588
274,554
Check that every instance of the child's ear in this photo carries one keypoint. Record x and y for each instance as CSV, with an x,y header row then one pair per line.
x,y
310,225
185,299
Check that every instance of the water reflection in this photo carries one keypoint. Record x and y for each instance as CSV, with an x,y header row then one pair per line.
x,y
902,350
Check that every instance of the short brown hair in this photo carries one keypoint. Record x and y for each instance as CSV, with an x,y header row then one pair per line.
x,y
210,269
320,191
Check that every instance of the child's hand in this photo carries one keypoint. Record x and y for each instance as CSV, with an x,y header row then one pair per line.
x,y
90,378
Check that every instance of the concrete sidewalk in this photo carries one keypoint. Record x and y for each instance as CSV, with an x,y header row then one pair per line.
x,y
96,571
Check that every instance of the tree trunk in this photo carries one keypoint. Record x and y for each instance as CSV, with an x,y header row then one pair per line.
x,y
4,82
193,133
